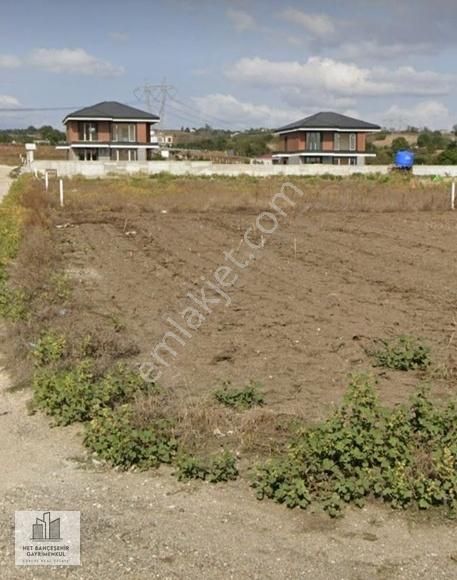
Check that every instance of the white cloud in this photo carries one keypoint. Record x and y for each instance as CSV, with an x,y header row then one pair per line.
x,y
432,114
317,25
372,50
72,60
326,75
7,101
244,114
241,20
9,61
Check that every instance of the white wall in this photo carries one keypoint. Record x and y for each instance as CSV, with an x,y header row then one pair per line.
x,y
431,170
102,169
106,168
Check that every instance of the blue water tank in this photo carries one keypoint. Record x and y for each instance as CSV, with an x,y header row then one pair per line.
x,y
404,159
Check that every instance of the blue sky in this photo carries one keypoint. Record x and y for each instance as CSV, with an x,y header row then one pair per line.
x,y
233,64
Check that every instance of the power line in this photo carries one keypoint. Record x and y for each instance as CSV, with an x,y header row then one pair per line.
x,y
208,115
34,109
159,93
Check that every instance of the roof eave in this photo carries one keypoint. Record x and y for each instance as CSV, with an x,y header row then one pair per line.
x,y
335,129
112,119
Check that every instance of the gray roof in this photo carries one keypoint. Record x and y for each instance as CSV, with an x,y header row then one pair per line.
x,y
112,110
329,120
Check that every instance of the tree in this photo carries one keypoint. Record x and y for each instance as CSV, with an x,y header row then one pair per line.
x,y
449,155
52,135
399,143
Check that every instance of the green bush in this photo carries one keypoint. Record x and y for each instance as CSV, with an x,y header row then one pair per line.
x,y
49,349
406,456
221,467
75,394
67,395
245,398
113,437
403,353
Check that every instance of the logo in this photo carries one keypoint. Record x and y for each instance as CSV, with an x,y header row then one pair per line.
x,y
45,538
45,529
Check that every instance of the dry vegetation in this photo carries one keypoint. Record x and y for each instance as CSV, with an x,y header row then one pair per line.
x,y
11,154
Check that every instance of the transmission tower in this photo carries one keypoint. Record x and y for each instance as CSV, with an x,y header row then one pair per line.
x,y
149,94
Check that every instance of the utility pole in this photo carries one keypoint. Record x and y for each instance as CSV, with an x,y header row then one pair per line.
x,y
149,93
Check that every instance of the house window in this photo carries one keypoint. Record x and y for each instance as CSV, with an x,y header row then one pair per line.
x,y
124,155
352,142
314,141
88,132
88,154
124,132
337,146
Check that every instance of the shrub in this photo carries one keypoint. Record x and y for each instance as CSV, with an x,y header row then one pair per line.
x,y
114,437
406,456
49,349
403,353
245,398
221,467
67,395
71,395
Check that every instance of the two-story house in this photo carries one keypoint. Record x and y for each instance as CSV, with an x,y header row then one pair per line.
x,y
325,138
110,131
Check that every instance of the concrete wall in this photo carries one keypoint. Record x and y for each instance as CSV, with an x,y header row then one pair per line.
x,y
103,169
439,170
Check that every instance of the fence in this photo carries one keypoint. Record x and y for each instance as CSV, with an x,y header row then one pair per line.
x,y
206,168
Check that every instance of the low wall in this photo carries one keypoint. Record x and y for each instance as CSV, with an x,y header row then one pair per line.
x,y
432,170
103,169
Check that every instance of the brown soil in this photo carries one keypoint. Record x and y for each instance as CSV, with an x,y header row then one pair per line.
x,y
301,316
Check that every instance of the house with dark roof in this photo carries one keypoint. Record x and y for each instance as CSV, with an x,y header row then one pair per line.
x,y
325,138
110,131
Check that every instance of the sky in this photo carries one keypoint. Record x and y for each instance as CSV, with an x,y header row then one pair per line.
x,y
232,64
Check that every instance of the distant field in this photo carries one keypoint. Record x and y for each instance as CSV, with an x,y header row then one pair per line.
x,y
10,154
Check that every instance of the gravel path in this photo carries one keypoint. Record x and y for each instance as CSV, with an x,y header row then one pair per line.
x,y
5,181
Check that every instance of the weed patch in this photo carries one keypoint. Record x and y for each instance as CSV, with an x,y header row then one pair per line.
x,y
113,436
403,353
221,467
406,456
76,394
240,399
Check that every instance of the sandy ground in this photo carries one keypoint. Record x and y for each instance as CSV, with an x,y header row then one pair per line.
x,y
148,525
4,179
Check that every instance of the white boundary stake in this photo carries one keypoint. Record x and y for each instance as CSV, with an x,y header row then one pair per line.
x,y
453,195
46,180
61,191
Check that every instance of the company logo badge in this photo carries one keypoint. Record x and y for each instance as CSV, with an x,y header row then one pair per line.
x,y
47,538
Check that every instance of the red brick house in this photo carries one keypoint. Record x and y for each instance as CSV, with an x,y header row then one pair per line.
x,y
325,138
110,131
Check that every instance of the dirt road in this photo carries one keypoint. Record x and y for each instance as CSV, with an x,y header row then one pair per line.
x,y
5,181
